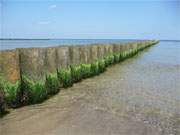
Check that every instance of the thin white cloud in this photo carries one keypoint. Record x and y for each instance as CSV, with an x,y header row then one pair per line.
x,y
43,22
52,6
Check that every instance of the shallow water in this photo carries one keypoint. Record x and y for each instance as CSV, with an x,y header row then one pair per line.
x,y
138,96
151,79
15,43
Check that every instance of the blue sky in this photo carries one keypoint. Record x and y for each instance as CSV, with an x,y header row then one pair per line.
x,y
95,19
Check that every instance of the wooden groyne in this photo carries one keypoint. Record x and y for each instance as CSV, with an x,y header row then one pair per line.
x,y
31,75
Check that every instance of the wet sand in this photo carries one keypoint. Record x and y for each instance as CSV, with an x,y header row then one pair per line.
x,y
139,96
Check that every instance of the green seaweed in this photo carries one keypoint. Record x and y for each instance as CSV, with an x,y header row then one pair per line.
x,y
32,92
26,91
101,66
94,68
52,84
76,73
85,70
64,76
109,60
3,107
116,57
11,93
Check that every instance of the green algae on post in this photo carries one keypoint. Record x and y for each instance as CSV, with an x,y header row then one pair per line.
x,y
27,91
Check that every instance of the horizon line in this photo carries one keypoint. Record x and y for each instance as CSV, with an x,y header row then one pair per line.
x,y
86,39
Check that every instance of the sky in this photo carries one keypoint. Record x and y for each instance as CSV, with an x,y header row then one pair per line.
x,y
95,19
